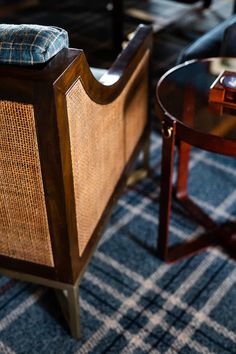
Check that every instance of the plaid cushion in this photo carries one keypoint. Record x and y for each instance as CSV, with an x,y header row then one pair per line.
x,y
30,44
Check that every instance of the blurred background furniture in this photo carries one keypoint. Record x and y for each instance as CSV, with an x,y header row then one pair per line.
x,y
102,43
220,41
155,12
119,10
68,143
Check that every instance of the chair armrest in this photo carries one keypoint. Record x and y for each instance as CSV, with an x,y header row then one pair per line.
x,y
129,58
110,86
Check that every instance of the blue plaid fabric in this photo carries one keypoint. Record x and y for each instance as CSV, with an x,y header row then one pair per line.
x,y
30,44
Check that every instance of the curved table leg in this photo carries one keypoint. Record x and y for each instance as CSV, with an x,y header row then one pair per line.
x,y
168,133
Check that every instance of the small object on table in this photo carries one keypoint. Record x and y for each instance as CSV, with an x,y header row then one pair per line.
x,y
223,89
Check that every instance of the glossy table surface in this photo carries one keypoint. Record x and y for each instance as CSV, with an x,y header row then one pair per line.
x,y
183,96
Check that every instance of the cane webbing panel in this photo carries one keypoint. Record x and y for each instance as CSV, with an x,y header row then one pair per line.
x,y
98,150
135,109
24,232
97,147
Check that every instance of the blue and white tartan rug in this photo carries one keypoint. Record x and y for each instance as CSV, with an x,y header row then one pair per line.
x,y
131,302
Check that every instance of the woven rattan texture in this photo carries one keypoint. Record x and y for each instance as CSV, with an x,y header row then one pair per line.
x,y
98,137
24,232
135,108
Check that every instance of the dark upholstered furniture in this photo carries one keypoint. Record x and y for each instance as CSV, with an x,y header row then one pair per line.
x,y
68,143
205,3
220,41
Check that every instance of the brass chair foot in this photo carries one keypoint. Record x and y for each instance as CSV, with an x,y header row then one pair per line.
x,y
137,176
69,301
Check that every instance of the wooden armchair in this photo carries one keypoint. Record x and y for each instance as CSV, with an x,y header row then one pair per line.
x,y
67,145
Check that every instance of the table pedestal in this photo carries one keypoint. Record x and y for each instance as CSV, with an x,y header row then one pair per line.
x,y
215,234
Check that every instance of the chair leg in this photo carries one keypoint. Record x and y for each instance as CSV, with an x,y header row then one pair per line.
x,y
146,154
69,302
74,315
141,173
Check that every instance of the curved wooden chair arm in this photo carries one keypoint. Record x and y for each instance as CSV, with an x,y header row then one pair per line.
x,y
128,59
112,83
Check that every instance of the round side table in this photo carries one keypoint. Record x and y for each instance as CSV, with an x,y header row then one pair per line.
x,y
196,108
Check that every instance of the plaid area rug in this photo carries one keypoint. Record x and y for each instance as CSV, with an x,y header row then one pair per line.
x,y
131,302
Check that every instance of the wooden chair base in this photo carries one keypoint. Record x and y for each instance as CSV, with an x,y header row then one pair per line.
x,y
67,295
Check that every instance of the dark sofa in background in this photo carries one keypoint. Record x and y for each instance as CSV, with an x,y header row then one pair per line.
x,y
220,41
